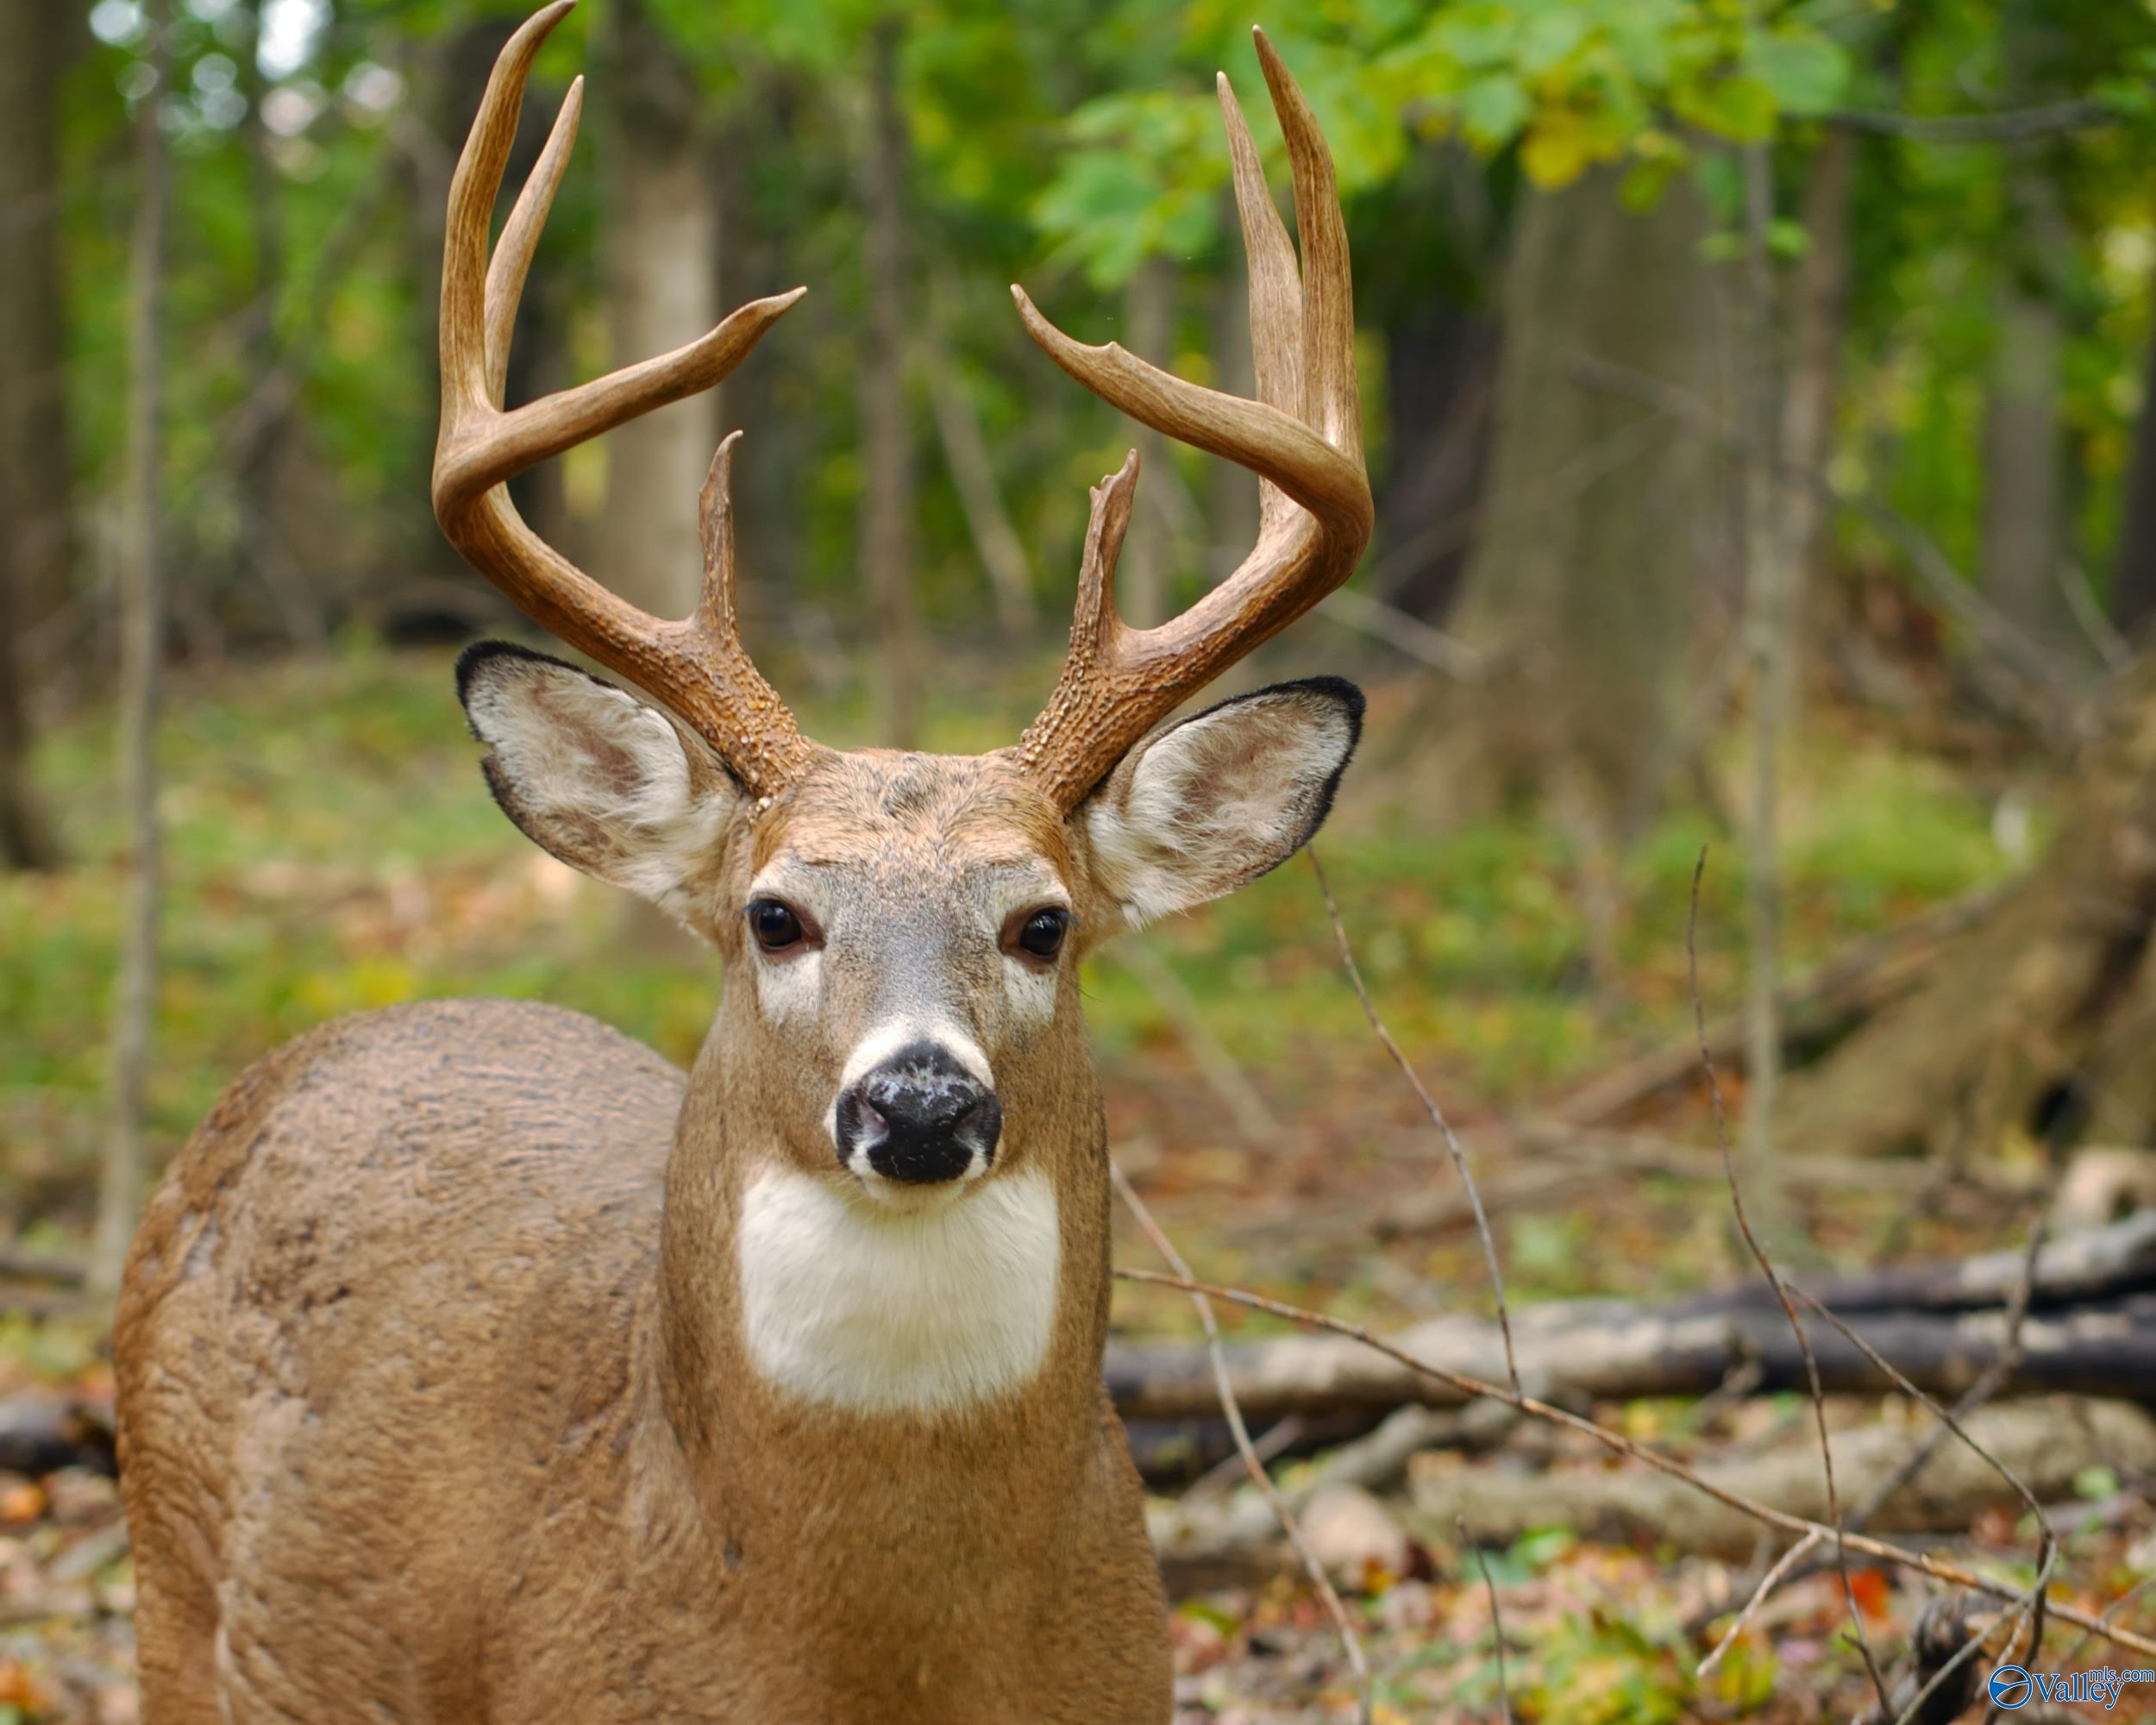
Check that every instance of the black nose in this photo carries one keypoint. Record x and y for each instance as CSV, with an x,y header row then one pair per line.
x,y
920,1118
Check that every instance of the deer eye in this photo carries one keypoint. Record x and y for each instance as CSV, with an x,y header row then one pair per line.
x,y
1042,933
774,924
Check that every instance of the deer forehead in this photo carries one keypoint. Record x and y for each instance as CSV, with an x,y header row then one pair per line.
x,y
888,818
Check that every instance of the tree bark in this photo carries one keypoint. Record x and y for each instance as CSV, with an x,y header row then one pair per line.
x,y
142,650
2023,471
1149,307
886,502
1603,515
300,608
1231,505
1771,611
2044,1445
2024,524
1819,315
662,290
2133,581
1614,1351
972,474
36,532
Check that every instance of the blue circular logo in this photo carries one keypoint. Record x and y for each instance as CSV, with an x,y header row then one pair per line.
x,y
2010,1689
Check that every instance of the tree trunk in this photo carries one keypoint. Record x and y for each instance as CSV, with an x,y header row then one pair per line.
x,y
661,240
886,502
2023,474
1149,309
972,474
1603,513
1819,313
36,537
1769,613
2133,585
2038,1021
2025,506
1231,505
141,644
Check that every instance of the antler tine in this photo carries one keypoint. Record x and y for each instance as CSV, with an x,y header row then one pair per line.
x,y
1276,285
520,239
696,667
1302,436
1330,399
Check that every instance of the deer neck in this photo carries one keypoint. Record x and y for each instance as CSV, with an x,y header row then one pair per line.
x,y
822,1362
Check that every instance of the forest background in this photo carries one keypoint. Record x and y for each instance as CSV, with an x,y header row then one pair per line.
x,y
1760,415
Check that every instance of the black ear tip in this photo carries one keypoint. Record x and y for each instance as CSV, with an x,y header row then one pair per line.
x,y
480,654
476,658
1349,695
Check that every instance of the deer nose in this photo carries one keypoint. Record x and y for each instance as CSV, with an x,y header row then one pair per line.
x,y
918,1117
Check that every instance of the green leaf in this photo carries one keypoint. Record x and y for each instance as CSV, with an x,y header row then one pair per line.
x,y
1739,108
1493,109
1646,181
1805,73
1788,238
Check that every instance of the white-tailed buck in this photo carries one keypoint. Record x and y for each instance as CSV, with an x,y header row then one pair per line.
x,y
474,1365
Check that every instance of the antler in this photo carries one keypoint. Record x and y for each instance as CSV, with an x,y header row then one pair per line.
x,y
1303,437
696,667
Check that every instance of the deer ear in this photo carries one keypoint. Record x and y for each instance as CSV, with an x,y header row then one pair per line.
x,y
593,776
1201,808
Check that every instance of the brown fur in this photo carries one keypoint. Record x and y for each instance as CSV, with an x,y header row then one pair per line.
x,y
433,1396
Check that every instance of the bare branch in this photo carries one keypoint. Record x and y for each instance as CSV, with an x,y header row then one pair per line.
x,y
1774,1281
1469,1389
1233,1413
1429,1106
2010,126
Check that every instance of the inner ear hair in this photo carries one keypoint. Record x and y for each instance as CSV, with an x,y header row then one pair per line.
x,y
1212,803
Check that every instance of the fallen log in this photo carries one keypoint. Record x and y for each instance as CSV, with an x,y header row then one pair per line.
x,y
2045,1443
2092,1331
2101,1263
42,1430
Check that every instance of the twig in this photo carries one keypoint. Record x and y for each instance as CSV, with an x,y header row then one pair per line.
x,y
1226,1080
2110,1611
2033,1602
1233,1412
1496,1617
1987,1385
1266,1446
1768,1582
1408,633
1900,1557
1774,1281
1429,1106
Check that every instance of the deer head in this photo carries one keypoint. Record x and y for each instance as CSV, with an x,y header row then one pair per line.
x,y
903,930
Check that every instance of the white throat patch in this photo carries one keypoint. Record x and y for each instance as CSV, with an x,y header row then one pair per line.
x,y
880,1312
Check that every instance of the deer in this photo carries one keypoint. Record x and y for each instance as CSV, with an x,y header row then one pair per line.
x,y
473,1363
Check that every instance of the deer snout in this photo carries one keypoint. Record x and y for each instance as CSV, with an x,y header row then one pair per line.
x,y
918,1117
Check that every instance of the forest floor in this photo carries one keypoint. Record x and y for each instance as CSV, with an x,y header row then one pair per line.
x,y
332,848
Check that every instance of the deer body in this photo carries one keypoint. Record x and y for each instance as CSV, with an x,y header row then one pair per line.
x,y
473,1365
503,1493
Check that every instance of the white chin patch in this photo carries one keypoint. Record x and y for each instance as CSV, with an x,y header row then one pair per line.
x,y
882,1311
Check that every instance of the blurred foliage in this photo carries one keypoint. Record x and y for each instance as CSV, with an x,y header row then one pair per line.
x,y
1064,147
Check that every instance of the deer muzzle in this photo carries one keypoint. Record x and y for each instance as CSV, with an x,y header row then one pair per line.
x,y
917,1117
